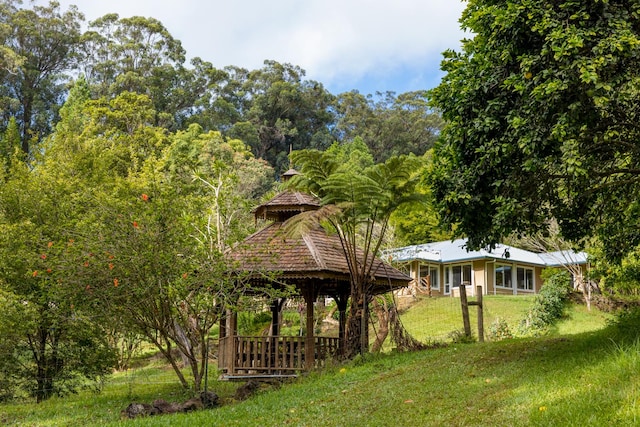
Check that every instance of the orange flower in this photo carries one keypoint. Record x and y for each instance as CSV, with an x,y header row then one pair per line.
x,y
184,275
144,197
43,256
110,266
86,263
49,270
35,273
49,244
135,224
115,283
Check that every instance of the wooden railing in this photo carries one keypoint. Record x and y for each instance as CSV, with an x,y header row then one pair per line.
x,y
269,355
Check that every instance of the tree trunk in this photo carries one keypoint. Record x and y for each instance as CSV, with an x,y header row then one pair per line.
x,y
357,334
382,313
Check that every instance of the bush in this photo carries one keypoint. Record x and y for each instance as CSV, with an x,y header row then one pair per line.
x,y
499,330
627,324
549,304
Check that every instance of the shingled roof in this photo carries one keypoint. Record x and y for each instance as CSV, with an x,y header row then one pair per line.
x,y
313,255
285,205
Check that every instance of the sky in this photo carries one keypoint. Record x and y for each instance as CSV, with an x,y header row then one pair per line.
x,y
366,45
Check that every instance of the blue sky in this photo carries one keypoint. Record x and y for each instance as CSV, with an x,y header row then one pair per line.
x,y
367,45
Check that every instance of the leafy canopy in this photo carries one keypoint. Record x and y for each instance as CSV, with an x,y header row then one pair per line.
x,y
542,110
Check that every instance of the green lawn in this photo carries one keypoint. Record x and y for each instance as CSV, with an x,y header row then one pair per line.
x,y
578,375
434,319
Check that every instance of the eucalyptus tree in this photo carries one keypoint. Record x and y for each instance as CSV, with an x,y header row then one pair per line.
x,y
358,198
225,102
138,54
285,111
10,61
44,40
272,109
541,106
390,125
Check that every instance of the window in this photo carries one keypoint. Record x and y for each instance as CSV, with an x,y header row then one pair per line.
x,y
432,274
525,278
456,275
503,276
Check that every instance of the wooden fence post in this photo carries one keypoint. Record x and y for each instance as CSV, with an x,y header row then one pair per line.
x,y
480,314
465,310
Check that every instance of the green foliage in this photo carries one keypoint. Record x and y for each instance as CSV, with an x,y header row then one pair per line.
x,y
42,42
541,114
621,280
57,345
138,54
389,125
499,330
549,304
418,221
252,324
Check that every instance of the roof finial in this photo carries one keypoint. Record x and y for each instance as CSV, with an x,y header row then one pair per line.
x,y
290,151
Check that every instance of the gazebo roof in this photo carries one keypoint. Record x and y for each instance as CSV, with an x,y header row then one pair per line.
x,y
313,255
286,204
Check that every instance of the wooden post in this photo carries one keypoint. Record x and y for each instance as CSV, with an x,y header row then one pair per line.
x,y
480,314
309,341
341,301
465,310
232,336
223,341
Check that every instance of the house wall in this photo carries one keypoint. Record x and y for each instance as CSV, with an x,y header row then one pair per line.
x,y
483,274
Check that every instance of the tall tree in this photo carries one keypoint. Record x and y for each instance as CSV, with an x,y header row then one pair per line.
x,y
390,125
46,39
10,61
358,198
139,55
285,111
542,115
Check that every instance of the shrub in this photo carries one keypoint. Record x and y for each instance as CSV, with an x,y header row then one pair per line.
x,y
499,330
549,304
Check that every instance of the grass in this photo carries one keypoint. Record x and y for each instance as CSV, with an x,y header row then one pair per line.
x,y
587,375
435,319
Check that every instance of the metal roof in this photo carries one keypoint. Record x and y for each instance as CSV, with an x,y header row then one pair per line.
x,y
456,251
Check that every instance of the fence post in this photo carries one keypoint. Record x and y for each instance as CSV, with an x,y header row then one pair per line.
x,y
465,310
480,314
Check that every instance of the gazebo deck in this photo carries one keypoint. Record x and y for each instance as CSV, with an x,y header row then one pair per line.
x,y
272,356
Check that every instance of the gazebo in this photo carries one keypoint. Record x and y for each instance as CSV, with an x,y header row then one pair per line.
x,y
314,263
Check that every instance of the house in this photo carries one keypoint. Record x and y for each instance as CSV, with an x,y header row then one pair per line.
x,y
439,268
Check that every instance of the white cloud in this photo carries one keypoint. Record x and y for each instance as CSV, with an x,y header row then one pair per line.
x,y
335,41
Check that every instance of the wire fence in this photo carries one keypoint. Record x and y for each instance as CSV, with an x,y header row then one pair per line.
x,y
440,319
